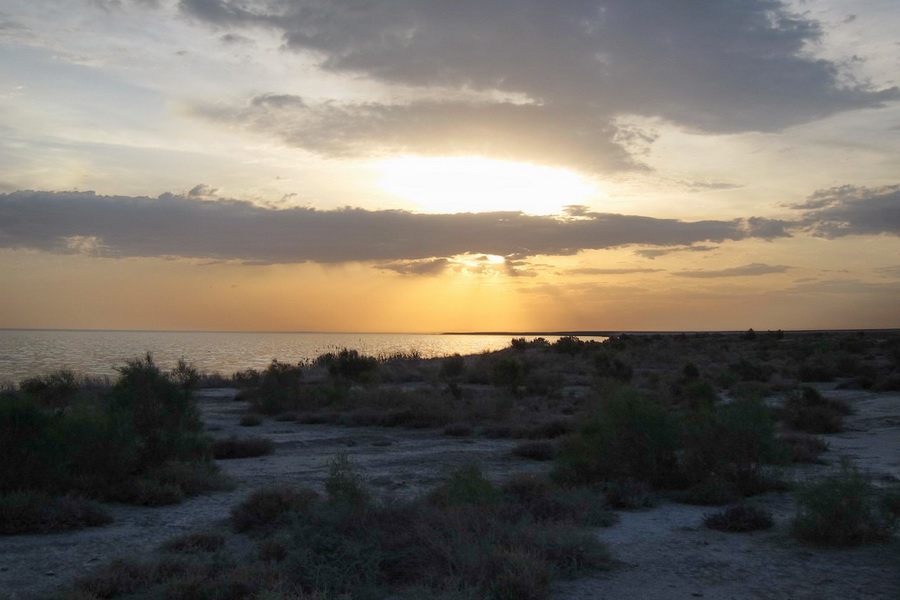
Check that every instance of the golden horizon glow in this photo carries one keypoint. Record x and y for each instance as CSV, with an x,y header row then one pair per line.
x,y
473,184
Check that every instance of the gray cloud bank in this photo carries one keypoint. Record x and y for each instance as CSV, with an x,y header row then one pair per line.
x,y
193,226
553,77
184,226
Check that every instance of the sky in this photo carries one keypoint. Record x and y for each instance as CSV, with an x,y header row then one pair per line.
x,y
429,166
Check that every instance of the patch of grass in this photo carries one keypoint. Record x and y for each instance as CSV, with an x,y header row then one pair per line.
x,y
242,447
36,512
842,510
739,518
195,542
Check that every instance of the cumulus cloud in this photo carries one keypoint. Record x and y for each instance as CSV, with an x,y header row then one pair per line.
x,y
751,270
577,66
185,226
852,210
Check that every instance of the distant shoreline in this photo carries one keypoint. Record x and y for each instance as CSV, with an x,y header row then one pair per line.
x,y
610,333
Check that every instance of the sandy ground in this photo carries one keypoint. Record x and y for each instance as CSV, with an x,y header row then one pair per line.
x,y
665,551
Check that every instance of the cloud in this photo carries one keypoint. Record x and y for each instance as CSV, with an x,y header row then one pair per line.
x,y
752,270
523,132
577,66
433,266
595,271
852,210
223,229
652,253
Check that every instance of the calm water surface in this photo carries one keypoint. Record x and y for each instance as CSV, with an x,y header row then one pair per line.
x,y
35,352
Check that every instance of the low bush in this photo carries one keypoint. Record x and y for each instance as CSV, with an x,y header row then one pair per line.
x,y
466,485
629,494
808,410
344,486
36,512
242,447
714,491
739,518
250,420
539,450
268,509
732,444
844,509
195,542
629,438
804,448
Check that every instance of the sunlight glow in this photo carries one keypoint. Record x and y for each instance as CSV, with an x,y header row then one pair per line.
x,y
473,184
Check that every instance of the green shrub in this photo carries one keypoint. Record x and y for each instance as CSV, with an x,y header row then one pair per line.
x,y
610,366
739,518
630,438
277,389
343,485
731,443
465,486
244,447
162,411
842,510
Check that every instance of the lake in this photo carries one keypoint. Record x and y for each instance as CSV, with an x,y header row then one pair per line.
x,y
24,353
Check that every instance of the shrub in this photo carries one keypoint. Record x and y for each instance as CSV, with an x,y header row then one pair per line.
x,y
277,389
739,518
541,450
609,366
465,486
246,447
804,448
629,493
348,366
267,509
195,542
162,411
36,512
807,410
55,390
713,491
630,438
250,420
343,485
731,443
842,510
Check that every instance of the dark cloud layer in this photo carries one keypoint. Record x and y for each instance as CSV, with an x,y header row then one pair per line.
x,y
853,210
577,65
223,229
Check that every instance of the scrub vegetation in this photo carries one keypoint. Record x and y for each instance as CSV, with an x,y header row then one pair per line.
x,y
708,419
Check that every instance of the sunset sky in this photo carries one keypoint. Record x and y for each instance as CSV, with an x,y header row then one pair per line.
x,y
449,165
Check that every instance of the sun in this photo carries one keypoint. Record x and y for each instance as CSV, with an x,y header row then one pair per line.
x,y
474,184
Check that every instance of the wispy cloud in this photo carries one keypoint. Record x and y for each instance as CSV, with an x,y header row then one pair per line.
x,y
751,270
852,210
